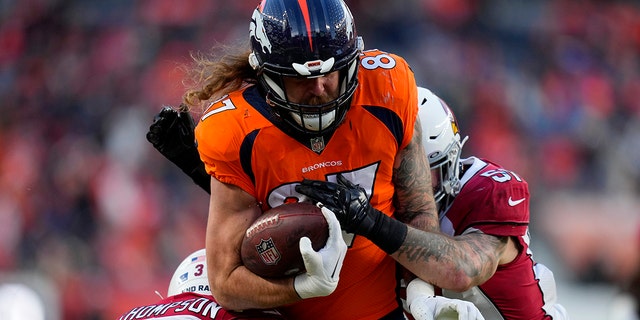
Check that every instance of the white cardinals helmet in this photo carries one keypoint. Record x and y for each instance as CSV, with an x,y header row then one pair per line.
x,y
191,275
442,145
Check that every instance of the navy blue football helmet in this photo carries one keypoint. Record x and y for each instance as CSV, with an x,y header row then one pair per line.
x,y
305,38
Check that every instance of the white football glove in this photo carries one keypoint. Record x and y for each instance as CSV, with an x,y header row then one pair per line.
x,y
424,305
323,267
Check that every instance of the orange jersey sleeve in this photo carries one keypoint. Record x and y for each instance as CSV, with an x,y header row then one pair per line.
x,y
243,143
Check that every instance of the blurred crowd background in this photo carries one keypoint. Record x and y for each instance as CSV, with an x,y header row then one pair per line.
x,y
95,220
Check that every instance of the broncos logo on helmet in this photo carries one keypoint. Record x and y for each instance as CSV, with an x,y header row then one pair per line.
x,y
257,32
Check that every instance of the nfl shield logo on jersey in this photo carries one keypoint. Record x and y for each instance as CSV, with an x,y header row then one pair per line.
x,y
317,144
268,252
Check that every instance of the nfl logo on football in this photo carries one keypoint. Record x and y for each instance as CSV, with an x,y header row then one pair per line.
x,y
268,252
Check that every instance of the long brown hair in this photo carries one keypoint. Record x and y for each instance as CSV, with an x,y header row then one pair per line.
x,y
213,75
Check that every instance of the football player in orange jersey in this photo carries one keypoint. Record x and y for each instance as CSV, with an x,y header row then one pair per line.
x,y
171,133
306,102
512,292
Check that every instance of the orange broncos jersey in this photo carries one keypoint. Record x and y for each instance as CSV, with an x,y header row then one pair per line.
x,y
243,143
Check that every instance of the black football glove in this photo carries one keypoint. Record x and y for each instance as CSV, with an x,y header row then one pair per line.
x,y
356,215
172,134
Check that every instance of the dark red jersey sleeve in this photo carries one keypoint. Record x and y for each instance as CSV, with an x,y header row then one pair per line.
x,y
493,200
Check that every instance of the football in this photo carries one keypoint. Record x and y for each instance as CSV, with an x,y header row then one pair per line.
x,y
270,247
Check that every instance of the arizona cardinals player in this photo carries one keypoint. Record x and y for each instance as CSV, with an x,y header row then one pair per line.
x,y
477,199
484,210
189,297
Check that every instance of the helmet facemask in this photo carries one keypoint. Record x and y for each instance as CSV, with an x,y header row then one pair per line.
x,y
445,174
314,118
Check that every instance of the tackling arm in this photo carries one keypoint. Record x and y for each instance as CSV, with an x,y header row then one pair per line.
x,y
454,263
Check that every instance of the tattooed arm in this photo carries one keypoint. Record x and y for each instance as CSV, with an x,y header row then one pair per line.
x,y
455,263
